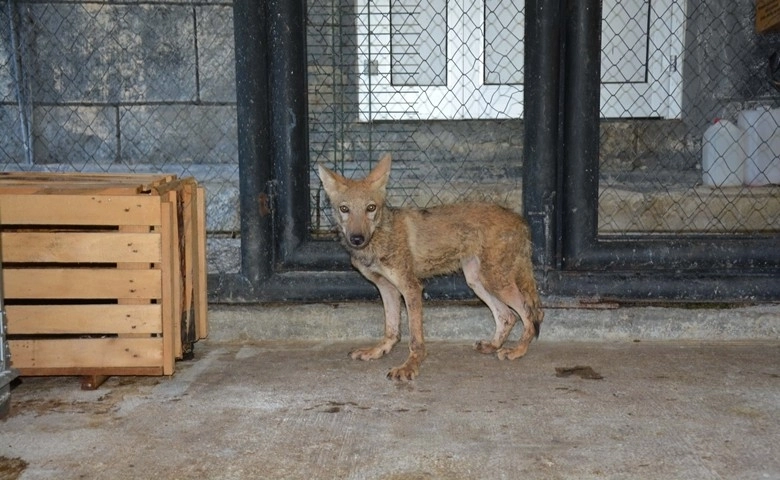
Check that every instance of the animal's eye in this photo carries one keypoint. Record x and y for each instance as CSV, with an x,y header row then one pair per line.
x,y
344,209
371,208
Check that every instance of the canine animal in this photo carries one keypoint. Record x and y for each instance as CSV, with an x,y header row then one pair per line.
x,y
396,248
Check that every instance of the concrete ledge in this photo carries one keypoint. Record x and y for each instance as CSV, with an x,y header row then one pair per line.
x,y
467,322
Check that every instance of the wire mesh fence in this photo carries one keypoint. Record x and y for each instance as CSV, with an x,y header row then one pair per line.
x,y
677,171
368,95
107,86
146,87
439,84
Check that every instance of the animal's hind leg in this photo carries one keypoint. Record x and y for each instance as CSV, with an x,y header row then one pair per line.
x,y
502,314
514,285
527,306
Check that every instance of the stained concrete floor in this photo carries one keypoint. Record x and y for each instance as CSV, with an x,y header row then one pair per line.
x,y
245,410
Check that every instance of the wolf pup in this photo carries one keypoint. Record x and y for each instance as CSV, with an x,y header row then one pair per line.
x,y
398,247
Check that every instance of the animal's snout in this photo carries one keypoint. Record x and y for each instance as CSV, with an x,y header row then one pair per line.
x,y
357,240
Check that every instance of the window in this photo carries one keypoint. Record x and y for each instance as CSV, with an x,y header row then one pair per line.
x,y
459,59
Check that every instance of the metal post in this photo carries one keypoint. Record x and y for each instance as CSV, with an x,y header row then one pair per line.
x,y
581,126
288,102
542,145
254,146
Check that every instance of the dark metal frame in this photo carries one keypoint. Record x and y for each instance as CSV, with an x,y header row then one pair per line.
x,y
280,261
561,197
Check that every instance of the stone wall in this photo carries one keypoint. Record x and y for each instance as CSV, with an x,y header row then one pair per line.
x,y
145,87
150,87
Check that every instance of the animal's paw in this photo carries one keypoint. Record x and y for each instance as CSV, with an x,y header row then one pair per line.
x,y
485,347
409,370
368,353
512,353
372,353
404,373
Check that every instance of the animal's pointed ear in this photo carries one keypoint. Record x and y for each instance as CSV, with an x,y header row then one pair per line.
x,y
332,182
381,173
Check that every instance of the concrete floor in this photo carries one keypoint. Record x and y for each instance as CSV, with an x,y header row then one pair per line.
x,y
663,410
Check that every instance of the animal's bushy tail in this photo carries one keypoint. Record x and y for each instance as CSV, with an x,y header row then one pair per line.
x,y
533,304
537,314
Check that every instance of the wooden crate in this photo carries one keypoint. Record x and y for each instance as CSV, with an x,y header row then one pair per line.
x,y
767,16
103,274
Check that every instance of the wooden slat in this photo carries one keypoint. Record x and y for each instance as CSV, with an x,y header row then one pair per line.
x,y
187,195
75,188
170,287
177,185
93,382
78,371
78,319
74,247
84,283
79,210
69,177
86,353
85,184
201,294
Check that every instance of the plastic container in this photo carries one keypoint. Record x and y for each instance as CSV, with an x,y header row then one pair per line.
x,y
761,143
723,158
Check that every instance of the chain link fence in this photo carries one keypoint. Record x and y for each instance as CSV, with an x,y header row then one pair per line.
x,y
372,91
145,87
439,84
682,170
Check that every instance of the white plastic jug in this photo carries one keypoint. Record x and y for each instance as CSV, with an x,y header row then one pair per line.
x,y
723,158
761,143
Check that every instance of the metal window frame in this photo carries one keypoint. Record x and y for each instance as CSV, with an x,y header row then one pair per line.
x,y
281,262
562,197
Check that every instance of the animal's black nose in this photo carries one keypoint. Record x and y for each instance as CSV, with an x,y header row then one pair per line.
x,y
357,240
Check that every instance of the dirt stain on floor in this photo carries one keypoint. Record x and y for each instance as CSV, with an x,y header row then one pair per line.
x,y
11,468
581,371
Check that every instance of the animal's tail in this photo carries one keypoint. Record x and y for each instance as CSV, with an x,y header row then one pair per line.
x,y
537,313
533,304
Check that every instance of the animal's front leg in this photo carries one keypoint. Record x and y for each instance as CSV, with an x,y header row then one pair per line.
x,y
412,293
391,299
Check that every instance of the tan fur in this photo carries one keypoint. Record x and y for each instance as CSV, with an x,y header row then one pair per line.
x,y
397,248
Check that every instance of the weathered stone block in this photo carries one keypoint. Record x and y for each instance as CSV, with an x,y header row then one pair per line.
x,y
222,207
7,87
11,143
161,134
93,52
75,135
216,54
223,254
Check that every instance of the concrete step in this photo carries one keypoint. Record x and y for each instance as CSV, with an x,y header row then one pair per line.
x,y
470,321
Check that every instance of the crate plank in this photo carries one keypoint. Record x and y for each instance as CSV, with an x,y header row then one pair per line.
x,y
170,287
187,199
79,210
85,371
70,189
75,247
84,319
201,294
81,283
60,178
86,353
